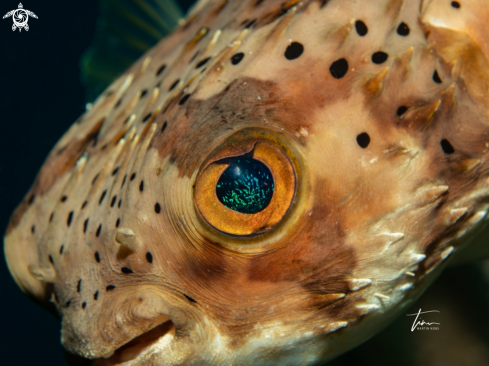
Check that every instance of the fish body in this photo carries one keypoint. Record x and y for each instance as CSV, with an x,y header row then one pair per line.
x,y
369,120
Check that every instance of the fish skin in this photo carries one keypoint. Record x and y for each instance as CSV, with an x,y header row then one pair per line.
x,y
360,216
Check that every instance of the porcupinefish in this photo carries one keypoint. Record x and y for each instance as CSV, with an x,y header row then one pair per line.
x,y
272,183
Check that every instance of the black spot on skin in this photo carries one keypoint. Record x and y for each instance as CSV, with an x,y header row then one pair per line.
x,y
95,296
84,305
455,4
110,287
99,229
258,2
160,70
31,199
403,29
184,99
436,77
143,93
102,197
361,28
84,205
447,146
236,59
250,24
133,175
85,225
323,3
63,199
202,62
97,257
120,203
174,85
70,217
149,257
363,140
401,110
115,171
294,50
141,186
124,181
118,222
339,68
114,200
95,178
194,57
118,103
51,217
61,249
78,287
33,229
157,208
51,259
146,117
127,119
379,57
164,127
68,303
189,298
126,270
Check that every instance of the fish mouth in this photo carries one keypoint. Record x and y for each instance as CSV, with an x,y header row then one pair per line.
x,y
132,352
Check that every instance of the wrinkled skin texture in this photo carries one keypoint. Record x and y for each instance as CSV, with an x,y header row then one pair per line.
x,y
369,227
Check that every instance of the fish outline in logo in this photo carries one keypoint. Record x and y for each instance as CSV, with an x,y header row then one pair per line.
x,y
20,17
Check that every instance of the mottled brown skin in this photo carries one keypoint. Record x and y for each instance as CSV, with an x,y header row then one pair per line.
x,y
369,228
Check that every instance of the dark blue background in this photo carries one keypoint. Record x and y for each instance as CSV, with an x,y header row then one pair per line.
x,y
40,97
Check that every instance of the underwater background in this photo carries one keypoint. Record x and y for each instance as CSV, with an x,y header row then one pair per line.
x,y
41,96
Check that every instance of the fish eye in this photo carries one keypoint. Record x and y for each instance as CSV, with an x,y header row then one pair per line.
x,y
246,186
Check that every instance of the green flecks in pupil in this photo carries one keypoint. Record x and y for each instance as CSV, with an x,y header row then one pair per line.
x,y
246,186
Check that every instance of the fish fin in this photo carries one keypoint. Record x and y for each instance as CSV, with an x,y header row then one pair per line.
x,y
125,30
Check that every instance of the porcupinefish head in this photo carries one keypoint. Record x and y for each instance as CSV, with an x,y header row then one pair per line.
x,y
272,183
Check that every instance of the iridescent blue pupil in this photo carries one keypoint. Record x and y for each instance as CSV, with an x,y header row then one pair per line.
x,y
246,186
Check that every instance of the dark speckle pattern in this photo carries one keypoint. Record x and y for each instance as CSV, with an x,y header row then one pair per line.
x,y
403,29
363,140
447,147
236,59
339,68
436,77
361,28
379,57
294,50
